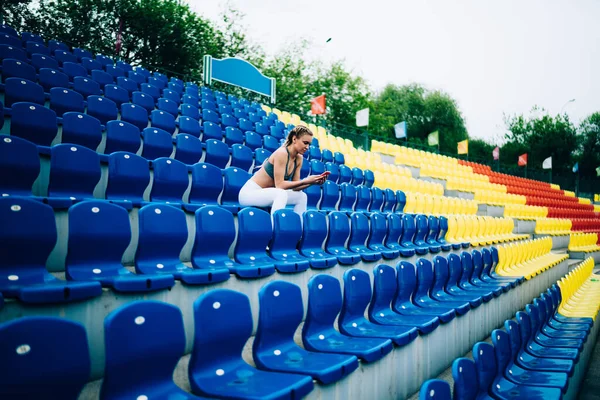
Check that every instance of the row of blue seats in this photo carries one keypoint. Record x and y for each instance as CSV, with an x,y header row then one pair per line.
x,y
534,357
58,178
100,232
144,366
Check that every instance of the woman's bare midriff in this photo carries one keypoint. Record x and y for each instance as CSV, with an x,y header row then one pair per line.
x,y
262,179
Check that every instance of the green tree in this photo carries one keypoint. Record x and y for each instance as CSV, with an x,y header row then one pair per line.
x,y
481,151
589,130
541,136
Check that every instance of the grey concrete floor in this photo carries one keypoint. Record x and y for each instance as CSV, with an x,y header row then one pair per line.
x,y
590,387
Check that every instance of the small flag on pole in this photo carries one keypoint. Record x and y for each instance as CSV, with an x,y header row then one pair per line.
x,y
522,160
496,153
575,167
317,105
433,139
400,130
547,164
463,147
362,117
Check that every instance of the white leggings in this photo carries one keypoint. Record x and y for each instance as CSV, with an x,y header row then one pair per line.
x,y
252,194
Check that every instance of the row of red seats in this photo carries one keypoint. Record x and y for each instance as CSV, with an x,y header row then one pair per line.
x,y
554,212
546,202
588,225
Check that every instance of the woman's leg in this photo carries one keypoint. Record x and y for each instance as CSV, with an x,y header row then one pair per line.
x,y
252,194
299,200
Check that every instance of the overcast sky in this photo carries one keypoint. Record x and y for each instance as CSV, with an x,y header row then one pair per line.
x,y
493,57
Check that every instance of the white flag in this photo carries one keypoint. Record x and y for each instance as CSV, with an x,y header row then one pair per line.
x,y
547,164
362,117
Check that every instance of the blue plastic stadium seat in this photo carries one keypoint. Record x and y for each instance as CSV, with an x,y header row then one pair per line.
x,y
351,321
313,236
128,178
127,84
385,286
452,285
253,140
215,232
25,372
345,174
102,78
168,106
170,181
348,197
144,100
363,201
144,366
136,77
327,155
65,57
228,120
316,167
57,45
164,78
378,231
74,70
172,95
163,120
217,153
40,61
8,30
81,129
233,178
99,233
486,273
22,90
465,279
260,155
22,271
254,233
157,143
408,234
190,110
142,71
12,68
313,195
191,99
274,349
433,234
63,100
234,136
114,71
116,94
20,164
287,231
104,60
425,297
491,381
357,176
157,82
394,231
50,78
8,51
475,278
389,200
208,105
31,37
377,199
246,125
135,115
176,86
80,53
331,196
334,172
240,113
90,64
270,143
338,158
216,366
369,178
122,136
207,185
446,291
437,389
241,157
276,132
304,169
34,123
314,153
188,149
86,86
210,115
68,184
358,237
102,108
36,48
318,332
162,235
124,66
339,230
211,130
10,40
422,226
532,347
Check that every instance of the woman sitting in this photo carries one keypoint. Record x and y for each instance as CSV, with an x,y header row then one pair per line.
x,y
277,183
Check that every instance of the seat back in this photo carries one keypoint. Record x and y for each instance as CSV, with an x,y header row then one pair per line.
x,y
207,184
514,335
20,166
409,230
454,270
22,90
116,94
485,363
394,231
324,304
434,230
369,178
234,179
157,143
34,123
345,174
390,200
81,129
144,100
440,275
359,232
67,181
407,281
357,294
313,194
358,176
217,153
377,200
435,389
464,374
502,349
280,313
378,230
384,288
348,197
424,275
163,120
215,232
189,125
32,226
128,176
467,268
400,201
25,371
287,231
99,233
422,230
316,167
313,234
136,115
331,196
188,149
102,108
254,233
477,259
162,235
339,230
145,363
170,180
241,156
334,170
363,199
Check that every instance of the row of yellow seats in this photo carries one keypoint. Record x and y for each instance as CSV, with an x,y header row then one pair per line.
x,y
480,230
597,197
522,211
584,242
528,258
580,292
470,185
398,182
583,200
498,198
422,203
553,226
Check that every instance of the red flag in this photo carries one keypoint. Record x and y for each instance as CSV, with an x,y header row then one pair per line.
x,y
523,160
496,153
119,39
317,105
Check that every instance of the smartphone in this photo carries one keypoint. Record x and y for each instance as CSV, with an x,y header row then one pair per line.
x,y
326,173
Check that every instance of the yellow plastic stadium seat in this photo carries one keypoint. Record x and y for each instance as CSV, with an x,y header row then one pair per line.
x,y
266,109
580,292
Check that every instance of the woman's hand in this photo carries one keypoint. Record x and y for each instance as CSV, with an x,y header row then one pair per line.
x,y
316,179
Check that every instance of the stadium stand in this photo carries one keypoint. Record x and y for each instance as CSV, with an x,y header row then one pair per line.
x,y
128,260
